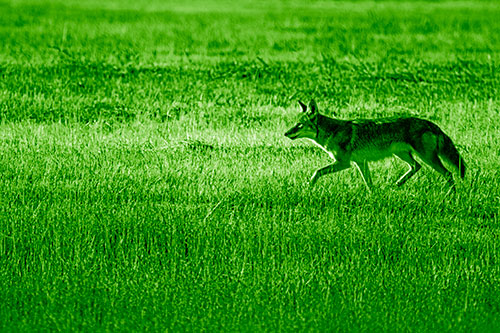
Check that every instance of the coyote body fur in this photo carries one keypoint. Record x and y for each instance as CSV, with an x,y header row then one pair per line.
x,y
363,140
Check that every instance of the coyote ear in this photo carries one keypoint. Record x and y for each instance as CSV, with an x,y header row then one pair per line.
x,y
313,107
304,107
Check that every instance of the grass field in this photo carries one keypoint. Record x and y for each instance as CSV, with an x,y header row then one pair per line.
x,y
146,183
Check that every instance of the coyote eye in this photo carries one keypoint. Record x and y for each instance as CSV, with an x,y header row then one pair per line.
x,y
299,126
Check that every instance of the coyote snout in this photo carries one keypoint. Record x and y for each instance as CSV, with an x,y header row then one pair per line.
x,y
300,130
364,140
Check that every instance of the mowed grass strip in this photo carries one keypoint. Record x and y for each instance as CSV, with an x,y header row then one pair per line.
x,y
146,183
76,90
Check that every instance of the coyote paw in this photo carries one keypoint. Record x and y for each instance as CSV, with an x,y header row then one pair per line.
x,y
313,180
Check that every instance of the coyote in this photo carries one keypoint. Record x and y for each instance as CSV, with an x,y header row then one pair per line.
x,y
364,140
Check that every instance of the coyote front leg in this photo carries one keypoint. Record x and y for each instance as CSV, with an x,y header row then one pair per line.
x,y
365,174
334,167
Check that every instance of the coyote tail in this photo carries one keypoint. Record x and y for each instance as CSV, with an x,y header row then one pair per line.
x,y
448,151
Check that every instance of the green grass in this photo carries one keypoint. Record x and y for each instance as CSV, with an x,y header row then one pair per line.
x,y
145,182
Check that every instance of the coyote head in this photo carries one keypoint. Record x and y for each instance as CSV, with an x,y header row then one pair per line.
x,y
307,126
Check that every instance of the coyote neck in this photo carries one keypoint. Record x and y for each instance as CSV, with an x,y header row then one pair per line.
x,y
328,126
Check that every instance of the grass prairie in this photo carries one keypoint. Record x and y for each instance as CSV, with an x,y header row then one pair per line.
x,y
146,183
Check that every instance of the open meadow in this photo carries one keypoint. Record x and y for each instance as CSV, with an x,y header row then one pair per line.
x,y
146,184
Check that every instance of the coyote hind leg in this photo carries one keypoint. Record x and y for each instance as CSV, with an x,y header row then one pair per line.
x,y
433,160
414,167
